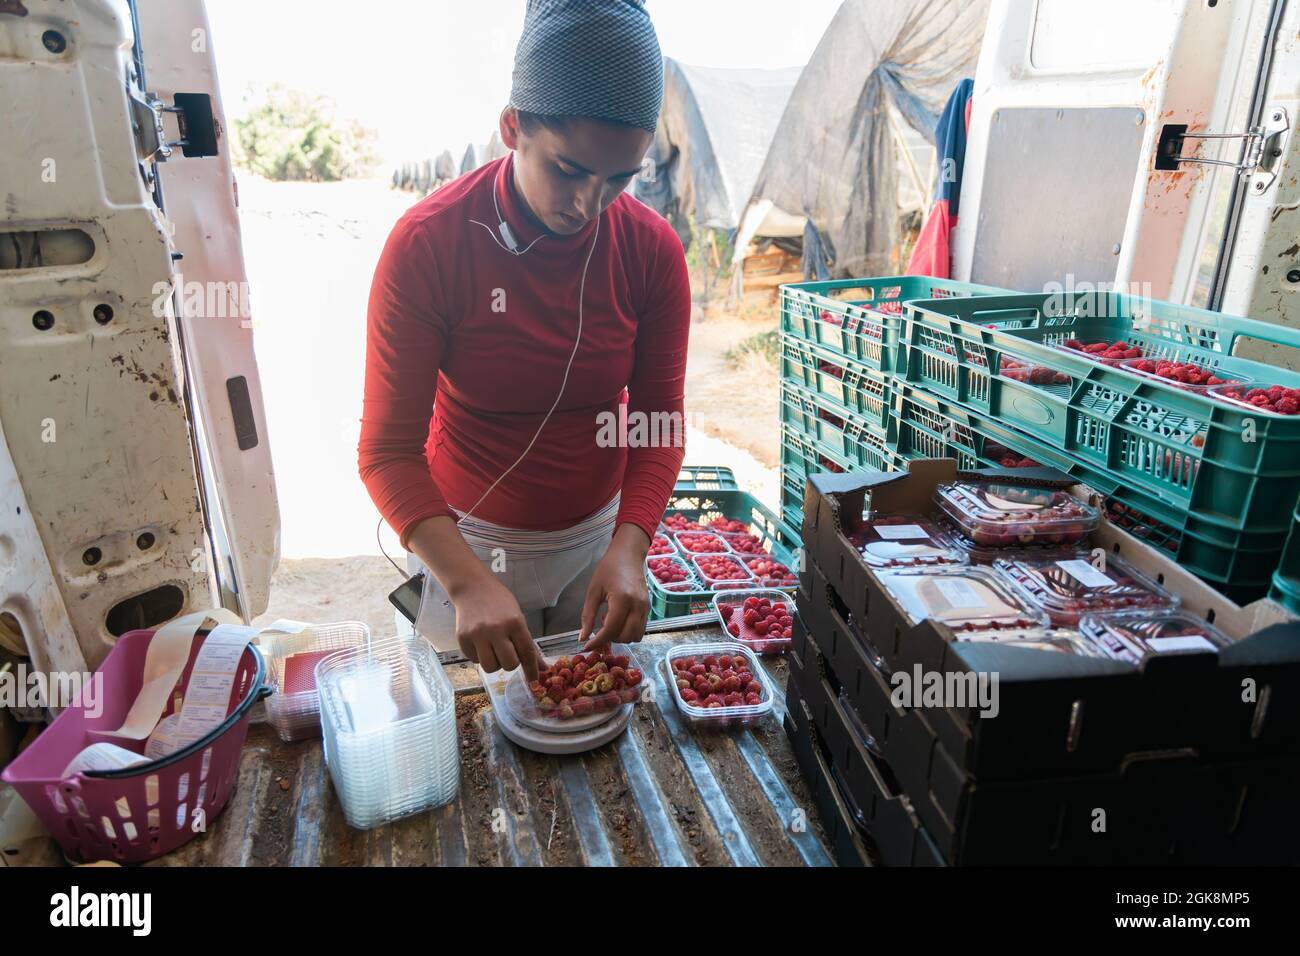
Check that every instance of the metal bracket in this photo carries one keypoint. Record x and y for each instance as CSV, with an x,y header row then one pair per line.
x,y
1262,147
195,118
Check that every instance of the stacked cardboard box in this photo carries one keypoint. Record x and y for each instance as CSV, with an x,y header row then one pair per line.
x,y
1183,758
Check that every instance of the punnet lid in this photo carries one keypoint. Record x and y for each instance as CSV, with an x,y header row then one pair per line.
x,y
902,541
963,598
1006,514
1068,588
1132,635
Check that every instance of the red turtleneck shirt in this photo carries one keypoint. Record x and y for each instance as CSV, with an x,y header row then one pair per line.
x,y
466,350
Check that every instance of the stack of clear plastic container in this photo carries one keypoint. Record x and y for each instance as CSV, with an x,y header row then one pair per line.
x,y
294,709
388,720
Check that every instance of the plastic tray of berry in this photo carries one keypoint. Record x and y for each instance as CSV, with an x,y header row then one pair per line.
x,y
1274,399
660,544
1067,589
1107,353
962,597
1005,514
722,571
743,542
701,542
1185,375
761,619
1132,635
674,522
718,686
583,685
769,572
903,541
672,573
987,554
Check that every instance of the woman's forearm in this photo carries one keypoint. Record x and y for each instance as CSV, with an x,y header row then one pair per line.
x,y
439,544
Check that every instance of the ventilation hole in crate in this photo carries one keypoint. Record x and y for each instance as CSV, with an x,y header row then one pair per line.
x,y
56,798
80,806
151,789
180,816
202,794
154,820
183,787
206,765
109,831
130,832
123,806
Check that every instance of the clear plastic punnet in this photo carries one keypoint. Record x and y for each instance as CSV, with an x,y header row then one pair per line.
x,y
743,542
1063,640
769,572
963,598
718,685
388,722
987,554
672,573
578,686
1191,376
291,659
762,619
1007,514
903,541
661,544
1132,635
701,542
722,571
1068,588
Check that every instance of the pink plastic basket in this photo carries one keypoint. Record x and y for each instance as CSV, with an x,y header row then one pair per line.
x,y
141,812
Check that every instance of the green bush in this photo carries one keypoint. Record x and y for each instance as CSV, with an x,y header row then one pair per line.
x,y
293,135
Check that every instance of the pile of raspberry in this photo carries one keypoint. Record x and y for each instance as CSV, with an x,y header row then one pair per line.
x,y
1275,398
760,615
720,567
668,570
1183,373
1105,351
580,685
716,682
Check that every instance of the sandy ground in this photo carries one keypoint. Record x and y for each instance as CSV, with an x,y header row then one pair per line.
x,y
310,251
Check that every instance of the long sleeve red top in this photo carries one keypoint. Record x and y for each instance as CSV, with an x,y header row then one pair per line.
x,y
466,349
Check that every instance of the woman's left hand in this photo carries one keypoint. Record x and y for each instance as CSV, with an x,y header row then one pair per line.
x,y
619,583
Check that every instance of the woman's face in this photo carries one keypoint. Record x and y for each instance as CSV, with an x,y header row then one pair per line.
x,y
568,177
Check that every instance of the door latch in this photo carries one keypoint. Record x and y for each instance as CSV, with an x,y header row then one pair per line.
x,y
1262,148
195,119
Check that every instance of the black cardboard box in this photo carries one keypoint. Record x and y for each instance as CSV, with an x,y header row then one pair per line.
x,y
1061,713
1164,809
837,820
876,802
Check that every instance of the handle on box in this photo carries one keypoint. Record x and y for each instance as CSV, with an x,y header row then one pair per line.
x,y
1239,327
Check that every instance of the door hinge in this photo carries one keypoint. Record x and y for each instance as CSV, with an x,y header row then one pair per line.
x,y
195,119
1262,147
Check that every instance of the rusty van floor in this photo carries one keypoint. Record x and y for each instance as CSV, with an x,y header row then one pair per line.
x,y
661,794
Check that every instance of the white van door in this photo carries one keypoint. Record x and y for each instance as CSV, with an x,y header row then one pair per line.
x,y
135,472
1129,143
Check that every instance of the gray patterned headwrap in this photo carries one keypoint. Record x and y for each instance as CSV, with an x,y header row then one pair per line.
x,y
595,58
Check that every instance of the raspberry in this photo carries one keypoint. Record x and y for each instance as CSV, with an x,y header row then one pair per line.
x,y
1286,406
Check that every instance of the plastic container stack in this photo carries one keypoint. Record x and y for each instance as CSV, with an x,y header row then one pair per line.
x,y
388,720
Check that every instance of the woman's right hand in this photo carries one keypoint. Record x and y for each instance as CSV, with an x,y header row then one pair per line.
x,y
491,630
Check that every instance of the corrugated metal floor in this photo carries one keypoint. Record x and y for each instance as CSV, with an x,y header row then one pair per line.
x,y
660,794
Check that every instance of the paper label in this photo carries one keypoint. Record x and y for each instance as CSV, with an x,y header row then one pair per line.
x,y
1085,573
900,532
1184,642
163,739
103,756
207,694
959,593
164,663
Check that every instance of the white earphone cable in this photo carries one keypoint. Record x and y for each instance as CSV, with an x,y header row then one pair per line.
x,y
582,290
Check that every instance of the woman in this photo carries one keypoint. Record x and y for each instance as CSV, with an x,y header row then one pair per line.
x,y
517,304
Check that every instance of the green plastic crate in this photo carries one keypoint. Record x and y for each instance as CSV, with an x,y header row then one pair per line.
x,y
850,387
862,444
1237,563
1185,448
705,478
1286,580
859,319
702,505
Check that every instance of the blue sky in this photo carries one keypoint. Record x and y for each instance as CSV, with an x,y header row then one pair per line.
x,y
429,75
